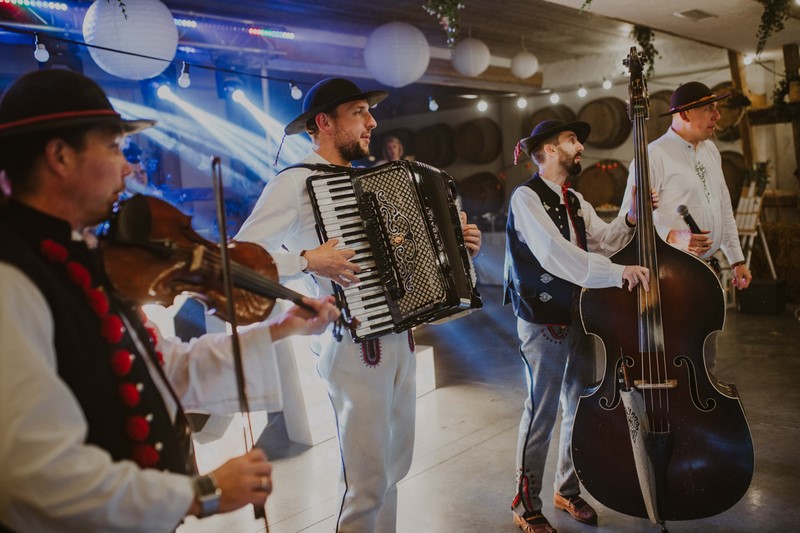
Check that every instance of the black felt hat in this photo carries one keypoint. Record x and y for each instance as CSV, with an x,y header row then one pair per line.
x,y
547,128
691,95
57,98
326,95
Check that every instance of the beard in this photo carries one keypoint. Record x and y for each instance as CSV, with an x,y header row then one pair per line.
x,y
351,150
568,163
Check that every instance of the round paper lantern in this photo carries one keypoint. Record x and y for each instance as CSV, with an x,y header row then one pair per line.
x,y
471,57
524,65
397,54
149,30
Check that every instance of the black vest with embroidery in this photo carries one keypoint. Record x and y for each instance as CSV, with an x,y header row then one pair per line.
x,y
536,295
127,425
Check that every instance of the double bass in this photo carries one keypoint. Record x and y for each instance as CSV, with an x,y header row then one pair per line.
x,y
659,436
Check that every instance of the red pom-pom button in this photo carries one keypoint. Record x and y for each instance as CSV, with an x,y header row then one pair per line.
x,y
138,427
52,251
145,455
121,362
130,393
113,329
98,301
79,274
152,336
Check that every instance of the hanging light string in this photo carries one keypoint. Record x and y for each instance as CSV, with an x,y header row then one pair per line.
x,y
35,34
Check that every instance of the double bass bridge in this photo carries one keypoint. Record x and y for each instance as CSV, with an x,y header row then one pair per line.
x,y
649,385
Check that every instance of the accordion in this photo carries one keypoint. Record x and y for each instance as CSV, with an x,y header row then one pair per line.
x,y
402,220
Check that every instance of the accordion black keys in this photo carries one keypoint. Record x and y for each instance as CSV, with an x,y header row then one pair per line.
x,y
402,219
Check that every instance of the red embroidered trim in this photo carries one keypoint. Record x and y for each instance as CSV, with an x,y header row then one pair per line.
x,y
371,353
411,345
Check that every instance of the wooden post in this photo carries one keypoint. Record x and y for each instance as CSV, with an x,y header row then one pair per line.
x,y
740,84
791,60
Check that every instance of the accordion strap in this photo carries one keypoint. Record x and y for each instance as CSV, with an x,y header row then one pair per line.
x,y
319,167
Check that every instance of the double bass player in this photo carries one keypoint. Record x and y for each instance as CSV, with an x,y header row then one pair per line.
x,y
556,244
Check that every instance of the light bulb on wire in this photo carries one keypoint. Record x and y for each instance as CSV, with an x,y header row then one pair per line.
x,y
606,84
522,103
482,105
582,91
295,91
40,52
433,105
164,92
554,98
183,80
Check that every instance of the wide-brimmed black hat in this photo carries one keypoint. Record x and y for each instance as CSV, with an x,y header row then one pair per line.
x,y
691,95
57,98
547,128
326,95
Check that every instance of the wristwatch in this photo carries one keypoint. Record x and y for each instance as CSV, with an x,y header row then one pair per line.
x,y
303,262
207,494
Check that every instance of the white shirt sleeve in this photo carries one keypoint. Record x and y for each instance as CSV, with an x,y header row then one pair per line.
x,y
202,371
275,220
50,480
556,254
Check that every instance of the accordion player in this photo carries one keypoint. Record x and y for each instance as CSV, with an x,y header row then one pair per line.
x,y
402,220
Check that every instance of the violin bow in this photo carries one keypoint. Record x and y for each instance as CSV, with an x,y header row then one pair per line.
x,y
244,405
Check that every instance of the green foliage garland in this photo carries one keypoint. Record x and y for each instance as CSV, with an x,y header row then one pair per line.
x,y
644,38
447,13
776,13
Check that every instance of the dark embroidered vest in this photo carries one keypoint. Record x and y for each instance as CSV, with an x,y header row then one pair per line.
x,y
536,295
128,426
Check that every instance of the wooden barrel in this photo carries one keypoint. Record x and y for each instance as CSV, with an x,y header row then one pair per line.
x,y
434,145
559,112
603,184
478,141
657,126
728,123
481,193
515,175
609,120
733,168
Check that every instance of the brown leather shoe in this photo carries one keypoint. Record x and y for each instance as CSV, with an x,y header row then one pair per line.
x,y
535,523
577,507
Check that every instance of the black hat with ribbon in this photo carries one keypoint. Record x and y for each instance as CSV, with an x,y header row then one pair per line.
x,y
326,95
691,95
51,99
546,129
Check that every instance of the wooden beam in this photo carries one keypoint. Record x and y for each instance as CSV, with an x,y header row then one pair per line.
x,y
740,84
791,61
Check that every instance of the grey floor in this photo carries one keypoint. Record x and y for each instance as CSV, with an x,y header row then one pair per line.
x,y
462,477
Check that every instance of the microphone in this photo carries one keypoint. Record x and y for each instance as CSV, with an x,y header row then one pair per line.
x,y
684,212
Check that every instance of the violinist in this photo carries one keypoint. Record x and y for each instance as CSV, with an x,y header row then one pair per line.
x,y
556,244
94,434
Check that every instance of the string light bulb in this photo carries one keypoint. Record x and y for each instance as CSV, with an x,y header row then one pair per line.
x,y
433,105
522,103
482,105
606,84
748,59
164,92
582,91
554,98
40,52
295,91
183,80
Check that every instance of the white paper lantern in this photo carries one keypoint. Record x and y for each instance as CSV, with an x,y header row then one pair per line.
x,y
471,57
397,54
149,30
524,65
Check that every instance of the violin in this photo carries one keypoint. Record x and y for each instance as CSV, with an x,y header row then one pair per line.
x,y
152,254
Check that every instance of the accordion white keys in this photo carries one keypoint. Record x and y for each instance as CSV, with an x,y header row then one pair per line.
x,y
402,220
